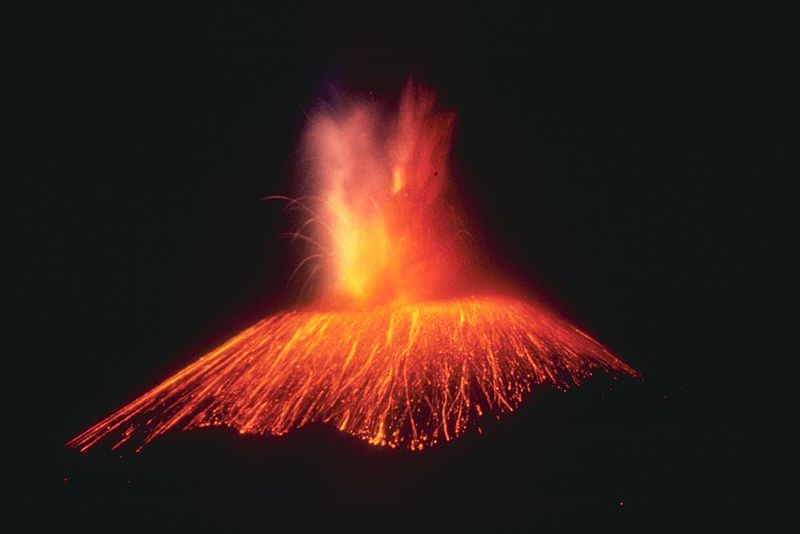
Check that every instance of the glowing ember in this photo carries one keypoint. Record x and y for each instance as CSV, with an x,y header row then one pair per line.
x,y
389,352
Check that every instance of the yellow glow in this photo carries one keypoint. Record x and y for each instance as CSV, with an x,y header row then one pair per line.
x,y
397,181
381,246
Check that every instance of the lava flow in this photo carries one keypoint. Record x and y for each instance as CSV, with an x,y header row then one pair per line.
x,y
398,347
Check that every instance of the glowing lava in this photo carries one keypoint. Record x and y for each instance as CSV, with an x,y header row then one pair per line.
x,y
381,218
391,351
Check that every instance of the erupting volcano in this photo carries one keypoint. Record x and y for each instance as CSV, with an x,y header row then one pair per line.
x,y
402,344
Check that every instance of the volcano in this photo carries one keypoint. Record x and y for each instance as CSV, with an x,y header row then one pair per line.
x,y
402,343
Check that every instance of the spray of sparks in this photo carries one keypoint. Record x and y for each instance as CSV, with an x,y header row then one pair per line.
x,y
391,350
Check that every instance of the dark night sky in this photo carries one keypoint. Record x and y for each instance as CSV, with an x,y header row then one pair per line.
x,y
615,162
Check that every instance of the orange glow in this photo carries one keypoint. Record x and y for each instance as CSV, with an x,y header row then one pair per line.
x,y
393,350
407,375
385,230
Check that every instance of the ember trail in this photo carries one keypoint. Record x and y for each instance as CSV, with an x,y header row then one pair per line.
x,y
391,350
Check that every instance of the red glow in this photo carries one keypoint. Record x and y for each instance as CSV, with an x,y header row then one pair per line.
x,y
383,229
393,350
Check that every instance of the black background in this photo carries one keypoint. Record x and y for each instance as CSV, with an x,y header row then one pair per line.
x,y
614,162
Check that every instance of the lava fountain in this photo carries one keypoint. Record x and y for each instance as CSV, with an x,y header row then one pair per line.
x,y
399,346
